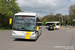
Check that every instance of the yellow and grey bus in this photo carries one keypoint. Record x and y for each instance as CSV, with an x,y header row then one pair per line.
x,y
56,24
25,26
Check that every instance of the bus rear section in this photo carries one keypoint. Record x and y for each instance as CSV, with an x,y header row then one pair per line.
x,y
24,27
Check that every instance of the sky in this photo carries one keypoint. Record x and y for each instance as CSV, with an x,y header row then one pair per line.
x,y
46,7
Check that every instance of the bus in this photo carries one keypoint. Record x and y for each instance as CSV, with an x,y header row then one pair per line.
x,y
25,26
56,24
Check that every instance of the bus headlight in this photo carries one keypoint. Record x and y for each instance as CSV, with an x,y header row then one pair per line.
x,y
33,33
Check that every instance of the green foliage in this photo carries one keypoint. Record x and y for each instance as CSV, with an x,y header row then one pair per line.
x,y
7,10
45,21
56,17
69,22
51,17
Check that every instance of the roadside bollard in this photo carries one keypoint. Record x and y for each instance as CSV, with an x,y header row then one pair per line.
x,y
66,26
70,26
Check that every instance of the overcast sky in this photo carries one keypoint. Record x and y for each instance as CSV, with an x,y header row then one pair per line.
x,y
45,7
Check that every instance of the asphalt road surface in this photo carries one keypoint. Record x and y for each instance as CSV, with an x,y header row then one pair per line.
x,y
62,39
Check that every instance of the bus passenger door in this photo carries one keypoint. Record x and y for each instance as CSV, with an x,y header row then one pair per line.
x,y
39,29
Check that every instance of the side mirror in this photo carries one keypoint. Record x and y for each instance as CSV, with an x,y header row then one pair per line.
x,y
10,21
37,29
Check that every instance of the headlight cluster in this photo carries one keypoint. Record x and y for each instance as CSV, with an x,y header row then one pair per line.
x,y
33,33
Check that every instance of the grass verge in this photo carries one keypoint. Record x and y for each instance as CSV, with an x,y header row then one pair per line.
x,y
5,29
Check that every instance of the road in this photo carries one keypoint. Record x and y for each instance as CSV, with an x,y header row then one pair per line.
x,y
62,39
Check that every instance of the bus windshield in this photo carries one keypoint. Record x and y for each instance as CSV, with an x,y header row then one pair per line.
x,y
24,23
57,23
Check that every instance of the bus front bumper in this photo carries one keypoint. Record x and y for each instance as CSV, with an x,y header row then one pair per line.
x,y
23,37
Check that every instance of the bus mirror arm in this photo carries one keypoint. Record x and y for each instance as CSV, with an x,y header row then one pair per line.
x,y
36,32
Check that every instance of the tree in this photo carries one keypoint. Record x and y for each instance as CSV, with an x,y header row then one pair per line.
x,y
45,21
72,12
57,16
7,10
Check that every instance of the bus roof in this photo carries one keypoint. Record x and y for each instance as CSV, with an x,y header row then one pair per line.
x,y
53,22
26,13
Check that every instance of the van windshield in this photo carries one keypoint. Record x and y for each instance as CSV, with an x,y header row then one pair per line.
x,y
58,24
24,23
